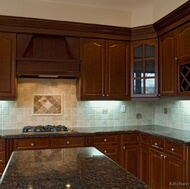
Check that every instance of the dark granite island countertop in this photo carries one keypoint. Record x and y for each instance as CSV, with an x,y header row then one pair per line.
x,y
71,168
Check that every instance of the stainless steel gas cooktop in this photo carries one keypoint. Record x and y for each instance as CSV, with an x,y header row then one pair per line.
x,y
46,128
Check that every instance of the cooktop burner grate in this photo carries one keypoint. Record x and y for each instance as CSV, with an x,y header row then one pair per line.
x,y
46,128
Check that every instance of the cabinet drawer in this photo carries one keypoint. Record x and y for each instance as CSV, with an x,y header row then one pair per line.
x,y
157,144
108,150
131,138
2,145
30,144
2,157
67,142
145,140
106,140
176,150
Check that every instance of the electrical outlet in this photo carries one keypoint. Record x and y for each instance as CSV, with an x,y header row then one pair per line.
x,y
138,116
123,108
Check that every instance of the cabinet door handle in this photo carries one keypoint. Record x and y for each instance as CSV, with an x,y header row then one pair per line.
x,y
161,155
176,58
68,142
32,144
124,147
172,149
165,157
105,140
103,95
107,95
105,151
156,144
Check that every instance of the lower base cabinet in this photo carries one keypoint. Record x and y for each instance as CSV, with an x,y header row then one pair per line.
x,y
2,156
109,145
130,153
144,164
166,172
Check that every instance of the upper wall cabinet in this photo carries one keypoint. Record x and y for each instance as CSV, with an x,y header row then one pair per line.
x,y
7,66
144,69
183,59
104,70
175,62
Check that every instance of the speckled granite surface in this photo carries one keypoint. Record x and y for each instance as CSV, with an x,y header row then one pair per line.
x,y
175,135
74,168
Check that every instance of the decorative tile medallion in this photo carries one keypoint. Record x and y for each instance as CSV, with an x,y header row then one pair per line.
x,y
47,105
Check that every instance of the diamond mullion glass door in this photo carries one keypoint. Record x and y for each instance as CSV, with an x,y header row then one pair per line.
x,y
184,77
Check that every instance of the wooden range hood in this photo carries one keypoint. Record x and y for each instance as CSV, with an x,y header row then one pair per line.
x,y
47,56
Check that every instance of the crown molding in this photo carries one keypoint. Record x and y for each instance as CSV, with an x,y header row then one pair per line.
x,y
179,16
43,26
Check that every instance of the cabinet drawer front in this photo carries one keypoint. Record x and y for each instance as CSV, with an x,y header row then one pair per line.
x,y
106,140
131,138
2,157
108,150
145,140
157,144
30,144
68,142
2,145
176,150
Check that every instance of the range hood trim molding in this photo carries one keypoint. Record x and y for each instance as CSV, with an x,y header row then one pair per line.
x,y
29,67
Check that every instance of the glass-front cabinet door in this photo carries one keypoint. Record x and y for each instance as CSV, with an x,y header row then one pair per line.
x,y
144,68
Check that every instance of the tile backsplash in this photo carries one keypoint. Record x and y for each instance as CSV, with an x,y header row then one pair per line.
x,y
19,113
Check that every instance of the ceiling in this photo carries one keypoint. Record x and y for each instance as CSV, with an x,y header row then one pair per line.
x,y
112,4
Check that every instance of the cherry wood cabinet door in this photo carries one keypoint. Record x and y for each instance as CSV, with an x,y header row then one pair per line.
x,y
183,45
117,70
157,170
174,173
131,159
183,59
168,65
104,70
91,82
7,66
144,164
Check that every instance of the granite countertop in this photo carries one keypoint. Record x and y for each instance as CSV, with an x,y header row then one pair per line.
x,y
175,135
71,168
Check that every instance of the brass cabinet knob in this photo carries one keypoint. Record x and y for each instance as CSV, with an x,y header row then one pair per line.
x,y
105,140
32,144
68,142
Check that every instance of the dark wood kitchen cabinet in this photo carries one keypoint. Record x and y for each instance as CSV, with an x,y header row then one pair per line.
x,y
144,68
2,156
168,67
104,70
144,169
175,62
67,142
130,153
109,145
167,164
31,143
7,66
